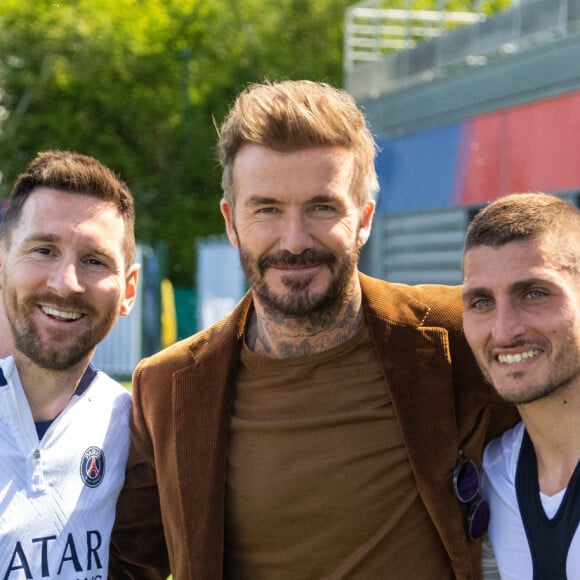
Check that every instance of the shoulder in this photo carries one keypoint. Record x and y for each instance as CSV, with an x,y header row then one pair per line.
x,y
500,457
107,391
444,303
422,305
211,344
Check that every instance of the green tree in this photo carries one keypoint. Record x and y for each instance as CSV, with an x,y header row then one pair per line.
x,y
111,79
141,84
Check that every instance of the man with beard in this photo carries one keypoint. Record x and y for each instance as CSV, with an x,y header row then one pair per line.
x,y
522,319
67,272
313,432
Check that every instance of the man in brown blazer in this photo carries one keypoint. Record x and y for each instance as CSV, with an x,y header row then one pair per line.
x,y
331,425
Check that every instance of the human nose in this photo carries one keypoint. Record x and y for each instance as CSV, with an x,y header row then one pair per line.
x,y
507,323
295,235
64,279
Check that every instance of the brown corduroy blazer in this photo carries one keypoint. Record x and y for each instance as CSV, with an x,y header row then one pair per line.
x,y
171,511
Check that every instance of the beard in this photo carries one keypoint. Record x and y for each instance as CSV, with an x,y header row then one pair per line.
x,y
564,370
51,353
300,301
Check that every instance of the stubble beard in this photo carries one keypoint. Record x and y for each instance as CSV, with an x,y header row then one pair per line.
x,y
28,338
315,308
564,371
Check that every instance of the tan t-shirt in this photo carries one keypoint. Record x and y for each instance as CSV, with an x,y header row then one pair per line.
x,y
319,485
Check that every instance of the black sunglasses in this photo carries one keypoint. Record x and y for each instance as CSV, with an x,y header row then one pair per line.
x,y
467,486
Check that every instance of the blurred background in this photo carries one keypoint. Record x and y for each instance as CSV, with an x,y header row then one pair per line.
x,y
468,100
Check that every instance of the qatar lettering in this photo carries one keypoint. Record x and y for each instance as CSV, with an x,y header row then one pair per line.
x,y
68,565
57,523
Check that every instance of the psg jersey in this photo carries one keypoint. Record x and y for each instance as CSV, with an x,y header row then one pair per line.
x,y
58,494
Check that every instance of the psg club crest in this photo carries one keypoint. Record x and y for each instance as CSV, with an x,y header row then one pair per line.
x,y
93,466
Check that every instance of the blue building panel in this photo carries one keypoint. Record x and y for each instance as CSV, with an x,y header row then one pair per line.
x,y
419,171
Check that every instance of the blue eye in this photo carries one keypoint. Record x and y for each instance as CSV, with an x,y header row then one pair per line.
x,y
536,294
480,303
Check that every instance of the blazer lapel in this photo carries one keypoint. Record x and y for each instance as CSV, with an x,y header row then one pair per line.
x,y
420,382
419,378
201,416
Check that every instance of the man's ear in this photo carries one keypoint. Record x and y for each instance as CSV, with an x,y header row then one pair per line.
x,y
365,223
228,213
131,281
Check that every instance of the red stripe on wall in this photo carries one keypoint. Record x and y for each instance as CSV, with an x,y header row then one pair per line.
x,y
531,147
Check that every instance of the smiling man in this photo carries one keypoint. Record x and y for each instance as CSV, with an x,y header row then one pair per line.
x,y
313,432
521,300
67,249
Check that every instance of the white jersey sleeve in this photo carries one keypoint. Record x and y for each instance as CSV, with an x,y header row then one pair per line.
x,y
58,495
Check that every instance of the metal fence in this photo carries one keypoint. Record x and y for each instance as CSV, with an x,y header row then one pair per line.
x,y
386,49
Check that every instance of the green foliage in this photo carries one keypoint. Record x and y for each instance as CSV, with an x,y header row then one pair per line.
x,y
140,84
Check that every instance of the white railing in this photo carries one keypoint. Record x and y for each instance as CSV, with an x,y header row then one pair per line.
x,y
372,30
385,49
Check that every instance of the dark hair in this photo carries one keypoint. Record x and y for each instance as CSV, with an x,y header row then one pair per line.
x,y
528,216
292,115
73,173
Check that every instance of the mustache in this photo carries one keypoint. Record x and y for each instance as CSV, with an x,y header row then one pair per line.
x,y
518,343
76,304
307,258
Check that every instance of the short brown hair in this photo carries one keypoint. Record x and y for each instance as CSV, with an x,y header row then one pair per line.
x,y
73,173
291,115
527,216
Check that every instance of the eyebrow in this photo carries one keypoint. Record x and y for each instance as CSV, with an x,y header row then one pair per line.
x,y
323,198
41,237
523,284
466,295
45,238
515,287
264,200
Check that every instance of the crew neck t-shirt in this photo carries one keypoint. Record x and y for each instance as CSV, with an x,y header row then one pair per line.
x,y
319,485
